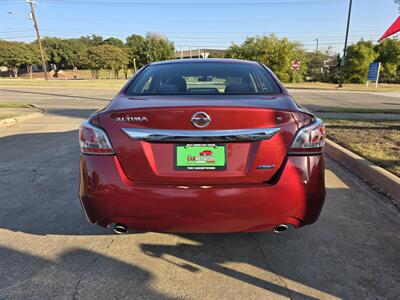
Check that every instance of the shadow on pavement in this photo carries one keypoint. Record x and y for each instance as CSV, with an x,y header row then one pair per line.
x,y
39,184
342,255
217,252
74,113
77,96
392,103
77,273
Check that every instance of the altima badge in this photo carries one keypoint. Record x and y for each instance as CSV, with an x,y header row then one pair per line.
x,y
131,119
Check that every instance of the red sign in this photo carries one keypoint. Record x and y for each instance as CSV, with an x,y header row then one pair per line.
x,y
296,65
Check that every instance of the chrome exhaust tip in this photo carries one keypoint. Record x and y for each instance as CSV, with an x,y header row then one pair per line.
x,y
120,229
280,228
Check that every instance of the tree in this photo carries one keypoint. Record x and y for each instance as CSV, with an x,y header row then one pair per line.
x,y
153,47
158,47
94,59
119,60
334,69
319,65
216,53
93,40
65,53
358,58
58,51
389,55
31,57
114,42
136,49
13,56
106,57
76,48
276,53
130,62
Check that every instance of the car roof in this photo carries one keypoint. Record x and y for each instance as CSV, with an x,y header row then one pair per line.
x,y
206,60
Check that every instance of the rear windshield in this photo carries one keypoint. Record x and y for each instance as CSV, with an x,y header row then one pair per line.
x,y
205,78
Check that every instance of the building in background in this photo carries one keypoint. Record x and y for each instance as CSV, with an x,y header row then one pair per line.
x,y
200,53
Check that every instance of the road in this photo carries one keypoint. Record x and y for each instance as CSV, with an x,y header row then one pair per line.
x,y
49,251
316,99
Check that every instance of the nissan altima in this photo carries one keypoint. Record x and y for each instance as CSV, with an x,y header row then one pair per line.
x,y
202,145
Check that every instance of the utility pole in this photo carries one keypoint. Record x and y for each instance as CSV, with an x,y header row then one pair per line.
x,y
343,62
38,38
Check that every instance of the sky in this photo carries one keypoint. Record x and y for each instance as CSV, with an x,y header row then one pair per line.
x,y
202,23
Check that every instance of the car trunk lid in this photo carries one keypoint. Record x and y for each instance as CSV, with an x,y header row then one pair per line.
x,y
236,128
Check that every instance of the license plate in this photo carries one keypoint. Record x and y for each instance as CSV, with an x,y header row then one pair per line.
x,y
200,157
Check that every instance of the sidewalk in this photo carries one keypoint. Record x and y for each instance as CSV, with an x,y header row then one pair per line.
x,y
358,116
10,116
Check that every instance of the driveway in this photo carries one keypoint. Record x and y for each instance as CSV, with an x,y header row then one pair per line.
x,y
49,251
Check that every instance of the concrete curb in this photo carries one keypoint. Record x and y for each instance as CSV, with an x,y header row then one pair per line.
x,y
19,119
384,180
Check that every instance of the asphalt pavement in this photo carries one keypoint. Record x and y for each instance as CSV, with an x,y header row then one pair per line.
x,y
317,99
49,251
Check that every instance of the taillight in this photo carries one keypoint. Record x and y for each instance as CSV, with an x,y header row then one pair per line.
x,y
94,140
310,139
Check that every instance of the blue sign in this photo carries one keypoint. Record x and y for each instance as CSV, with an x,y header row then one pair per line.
x,y
373,72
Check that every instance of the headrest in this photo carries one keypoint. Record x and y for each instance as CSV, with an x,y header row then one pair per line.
x,y
168,89
180,82
238,88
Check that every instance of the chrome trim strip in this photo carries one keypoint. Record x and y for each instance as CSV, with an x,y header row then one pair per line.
x,y
189,136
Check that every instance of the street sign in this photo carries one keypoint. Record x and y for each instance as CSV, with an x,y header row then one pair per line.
x,y
295,65
373,72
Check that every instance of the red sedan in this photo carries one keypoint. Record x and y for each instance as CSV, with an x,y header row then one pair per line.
x,y
141,164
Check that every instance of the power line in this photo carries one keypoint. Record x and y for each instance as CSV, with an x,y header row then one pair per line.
x,y
16,37
191,38
203,3
16,31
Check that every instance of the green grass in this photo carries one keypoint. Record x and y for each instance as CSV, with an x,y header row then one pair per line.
x,y
114,84
12,109
377,141
359,110
382,87
13,105
85,81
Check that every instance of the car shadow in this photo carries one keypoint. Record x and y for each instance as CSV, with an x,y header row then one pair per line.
x,y
74,274
219,252
39,184
338,256
343,255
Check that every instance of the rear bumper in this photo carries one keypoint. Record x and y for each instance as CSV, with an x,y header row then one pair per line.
x,y
108,196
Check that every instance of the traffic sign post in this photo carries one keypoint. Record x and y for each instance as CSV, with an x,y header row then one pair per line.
x,y
295,66
373,73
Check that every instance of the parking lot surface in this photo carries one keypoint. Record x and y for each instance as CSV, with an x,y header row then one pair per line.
x,y
49,251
